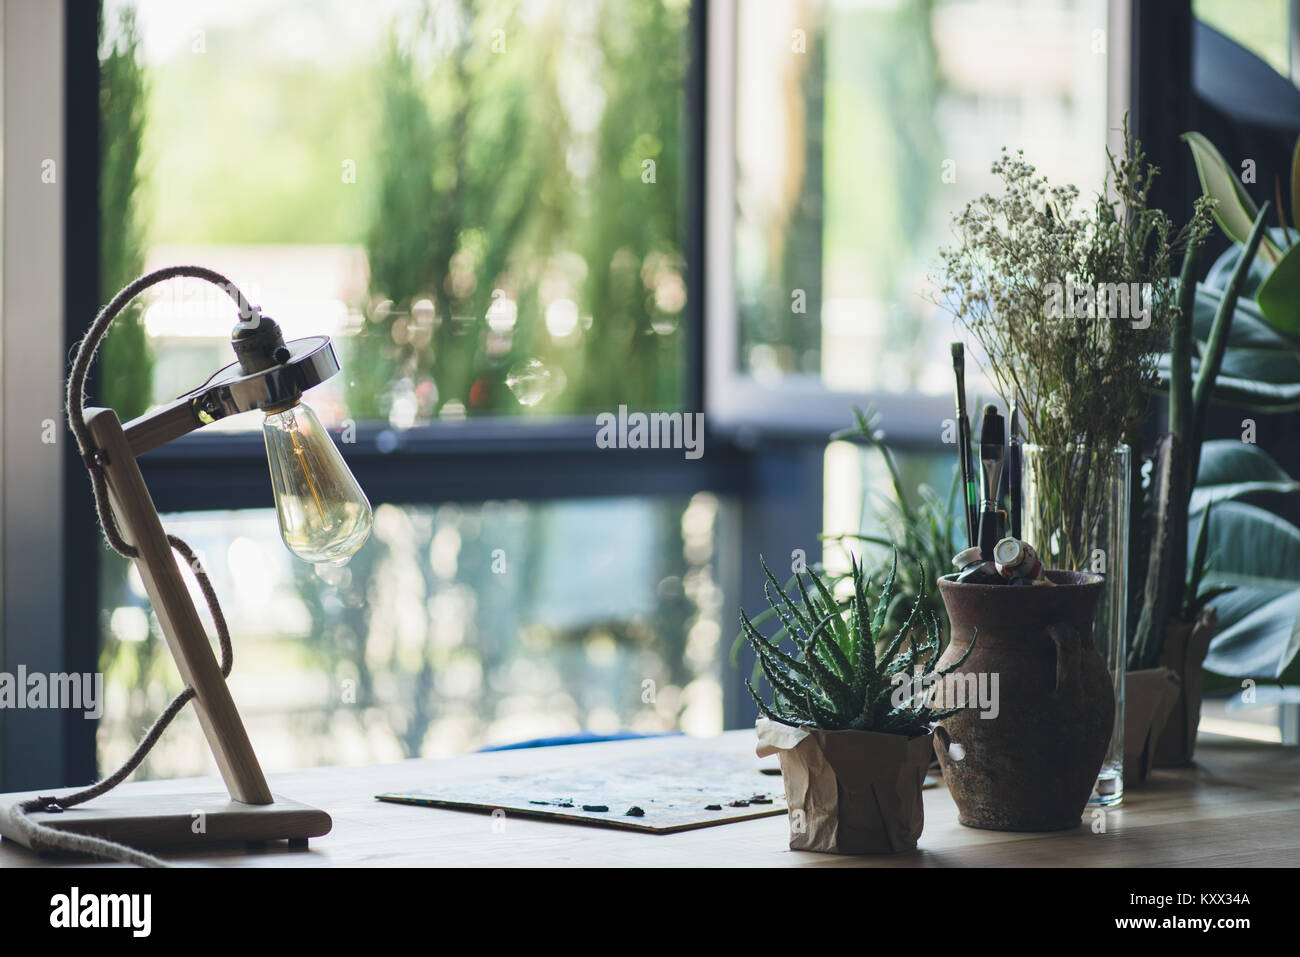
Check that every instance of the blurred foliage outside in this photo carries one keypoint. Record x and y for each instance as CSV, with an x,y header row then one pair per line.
x,y
1261,26
122,93
517,196
512,171
857,183
453,628
534,261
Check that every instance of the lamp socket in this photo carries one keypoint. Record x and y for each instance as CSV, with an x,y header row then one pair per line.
x,y
259,347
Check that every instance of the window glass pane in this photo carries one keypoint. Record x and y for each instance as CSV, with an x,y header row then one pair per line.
x,y
860,499
455,628
479,199
1261,26
861,128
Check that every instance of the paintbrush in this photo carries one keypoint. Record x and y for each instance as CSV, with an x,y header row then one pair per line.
x,y
993,454
963,445
1013,472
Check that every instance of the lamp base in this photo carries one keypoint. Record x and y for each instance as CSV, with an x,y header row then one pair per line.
x,y
182,821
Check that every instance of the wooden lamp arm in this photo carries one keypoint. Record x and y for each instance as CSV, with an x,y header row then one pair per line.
x,y
186,638
162,425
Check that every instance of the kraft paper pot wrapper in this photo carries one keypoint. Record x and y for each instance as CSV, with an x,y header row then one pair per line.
x,y
1150,696
1184,653
850,792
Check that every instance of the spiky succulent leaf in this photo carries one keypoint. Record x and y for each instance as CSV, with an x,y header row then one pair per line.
x,y
865,679
838,661
903,632
831,686
840,679
820,712
765,646
783,600
882,603
789,625
943,672
829,603
781,683
793,720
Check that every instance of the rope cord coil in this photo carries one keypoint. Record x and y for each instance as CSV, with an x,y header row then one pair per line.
x,y
42,836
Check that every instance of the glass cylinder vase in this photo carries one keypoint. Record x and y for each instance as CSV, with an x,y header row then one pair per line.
x,y
1076,513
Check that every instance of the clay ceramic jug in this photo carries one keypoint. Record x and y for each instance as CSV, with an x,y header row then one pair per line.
x,y
1029,759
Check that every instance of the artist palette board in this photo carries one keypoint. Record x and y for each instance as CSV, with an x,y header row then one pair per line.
x,y
674,790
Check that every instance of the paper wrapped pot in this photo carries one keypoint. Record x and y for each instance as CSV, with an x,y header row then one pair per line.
x,y
850,792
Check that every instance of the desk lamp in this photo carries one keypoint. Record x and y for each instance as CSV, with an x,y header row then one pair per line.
x,y
324,518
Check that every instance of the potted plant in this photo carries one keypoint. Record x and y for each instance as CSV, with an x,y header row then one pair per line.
x,y
850,712
1239,595
917,525
1030,757
1072,308
1176,625
1253,322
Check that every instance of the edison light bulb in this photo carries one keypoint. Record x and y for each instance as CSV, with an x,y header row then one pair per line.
x,y
324,515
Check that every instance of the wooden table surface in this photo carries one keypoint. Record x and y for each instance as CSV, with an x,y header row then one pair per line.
x,y
1239,806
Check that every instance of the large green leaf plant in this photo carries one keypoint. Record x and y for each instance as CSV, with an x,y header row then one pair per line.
x,y
1252,556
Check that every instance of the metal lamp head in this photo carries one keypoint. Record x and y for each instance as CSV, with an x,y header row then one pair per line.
x,y
269,374
324,516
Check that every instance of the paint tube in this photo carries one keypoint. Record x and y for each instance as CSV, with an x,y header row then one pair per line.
x,y
1017,562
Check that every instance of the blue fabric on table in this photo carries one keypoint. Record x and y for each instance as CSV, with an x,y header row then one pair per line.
x,y
582,737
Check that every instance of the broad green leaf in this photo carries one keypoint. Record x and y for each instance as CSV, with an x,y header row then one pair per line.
x,y
1257,634
1228,580
1279,294
1259,555
1230,469
1249,327
1295,184
1289,665
1248,541
1255,396
1249,394
1262,365
1234,209
1219,274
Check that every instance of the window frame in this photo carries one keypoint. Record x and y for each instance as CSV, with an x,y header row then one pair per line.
x,y
801,406
765,445
50,270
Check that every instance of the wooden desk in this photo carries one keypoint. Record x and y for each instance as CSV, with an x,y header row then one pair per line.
x,y
1240,806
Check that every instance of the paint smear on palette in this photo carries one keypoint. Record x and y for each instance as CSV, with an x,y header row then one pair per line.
x,y
671,792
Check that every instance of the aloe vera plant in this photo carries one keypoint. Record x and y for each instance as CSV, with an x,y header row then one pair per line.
x,y
844,672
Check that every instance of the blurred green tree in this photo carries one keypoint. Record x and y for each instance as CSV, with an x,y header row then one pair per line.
x,y
122,95
488,219
126,357
631,222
